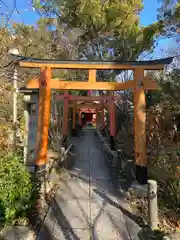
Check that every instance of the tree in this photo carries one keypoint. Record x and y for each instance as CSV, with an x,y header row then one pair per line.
x,y
104,25
169,14
39,42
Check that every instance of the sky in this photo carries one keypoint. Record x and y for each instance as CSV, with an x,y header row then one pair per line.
x,y
26,15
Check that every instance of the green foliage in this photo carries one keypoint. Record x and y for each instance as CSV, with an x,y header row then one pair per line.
x,y
18,190
103,25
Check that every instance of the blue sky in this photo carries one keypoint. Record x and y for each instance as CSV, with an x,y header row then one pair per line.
x,y
28,16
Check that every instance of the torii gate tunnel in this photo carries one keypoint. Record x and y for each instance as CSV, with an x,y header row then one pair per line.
x,y
139,84
104,102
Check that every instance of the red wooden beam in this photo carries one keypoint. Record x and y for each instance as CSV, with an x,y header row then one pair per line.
x,y
92,105
88,110
86,98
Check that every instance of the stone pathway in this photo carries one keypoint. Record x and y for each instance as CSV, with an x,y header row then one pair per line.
x,y
86,206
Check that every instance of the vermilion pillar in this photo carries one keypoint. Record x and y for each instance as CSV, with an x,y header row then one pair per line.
x,y
140,127
79,116
112,119
43,118
97,120
102,116
74,118
65,113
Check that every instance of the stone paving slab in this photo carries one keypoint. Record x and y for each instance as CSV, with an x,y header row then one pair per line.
x,y
74,213
67,192
85,206
74,234
101,186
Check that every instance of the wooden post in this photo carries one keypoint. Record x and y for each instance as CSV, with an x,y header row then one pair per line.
x,y
26,118
112,122
102,116
74,115
140,127
59,122
74,118
97,118
114,119
43,118
65,114
79,118
15,77
152,205
92,76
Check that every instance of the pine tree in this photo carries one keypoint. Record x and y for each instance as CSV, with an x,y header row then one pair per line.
x,y
104,25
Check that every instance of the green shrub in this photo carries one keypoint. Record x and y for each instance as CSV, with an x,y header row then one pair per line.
x,y
18,190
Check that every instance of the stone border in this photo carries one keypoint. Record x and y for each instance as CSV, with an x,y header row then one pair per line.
x,y
111,158
119,166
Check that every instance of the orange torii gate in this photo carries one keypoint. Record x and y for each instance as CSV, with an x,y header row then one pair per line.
x,y
98,107
139,84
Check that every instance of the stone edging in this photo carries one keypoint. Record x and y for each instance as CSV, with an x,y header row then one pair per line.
x,y
121,166
113,159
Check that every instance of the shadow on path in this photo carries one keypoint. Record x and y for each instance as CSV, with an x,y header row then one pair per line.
x,y
63,222
86,205
119,207
45,234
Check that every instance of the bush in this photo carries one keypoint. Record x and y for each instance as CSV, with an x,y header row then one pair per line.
x,y
18,191
166,172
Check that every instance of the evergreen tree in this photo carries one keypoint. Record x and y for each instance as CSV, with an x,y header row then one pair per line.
x,y
104,25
